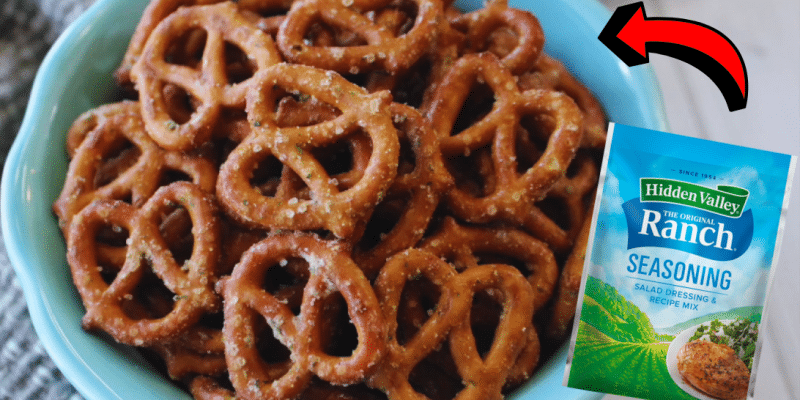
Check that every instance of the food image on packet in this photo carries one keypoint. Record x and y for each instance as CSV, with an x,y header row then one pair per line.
x,y
684,242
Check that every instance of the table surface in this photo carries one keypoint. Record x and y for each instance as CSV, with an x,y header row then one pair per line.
x,y
767,34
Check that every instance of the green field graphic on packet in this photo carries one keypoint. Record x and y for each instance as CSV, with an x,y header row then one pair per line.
x,y
684,245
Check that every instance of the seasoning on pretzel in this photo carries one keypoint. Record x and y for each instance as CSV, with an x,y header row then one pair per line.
x,y
114,158
330,271
211,84
192,282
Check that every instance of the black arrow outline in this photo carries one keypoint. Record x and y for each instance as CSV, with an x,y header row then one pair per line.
x,y
702,61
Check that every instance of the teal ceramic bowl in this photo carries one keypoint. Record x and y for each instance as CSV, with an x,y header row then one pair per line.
x,y
76,76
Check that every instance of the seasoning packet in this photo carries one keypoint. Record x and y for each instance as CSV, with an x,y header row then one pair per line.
x,y
684,243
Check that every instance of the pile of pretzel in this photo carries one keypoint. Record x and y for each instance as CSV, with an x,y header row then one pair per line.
x,y
335,199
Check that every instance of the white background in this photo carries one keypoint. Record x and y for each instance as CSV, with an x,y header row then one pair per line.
x,y
767,34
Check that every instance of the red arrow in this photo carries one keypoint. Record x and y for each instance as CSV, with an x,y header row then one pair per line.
x,y
631,35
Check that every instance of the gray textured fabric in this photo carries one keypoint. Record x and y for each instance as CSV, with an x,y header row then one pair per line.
x,y
27,30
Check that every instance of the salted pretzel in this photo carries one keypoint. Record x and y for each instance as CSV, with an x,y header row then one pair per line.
x,y
383,49
330,271
496,132
135,174
157,10
467,247
154,13
210,86
328,207
200,350
528,37
411,199
272,179
497,129
484,375
97,118
192,283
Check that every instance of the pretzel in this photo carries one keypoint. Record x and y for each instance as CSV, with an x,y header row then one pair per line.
x,y
330,271
157,10
528,37
154,13
466,246
416,191
548,73
289,187
210,86
485,375
383,50
138,173
511,191
192,283
104,115
497,129
328,207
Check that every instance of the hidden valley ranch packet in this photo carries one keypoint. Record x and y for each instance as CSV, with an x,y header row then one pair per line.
x,y
684,241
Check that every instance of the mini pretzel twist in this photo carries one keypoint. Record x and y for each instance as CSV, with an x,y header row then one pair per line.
x,y
383,49
468,247
464,246
330,270
328,207
484,376
191,283
209,85
512,191
138,174
497,129
157,10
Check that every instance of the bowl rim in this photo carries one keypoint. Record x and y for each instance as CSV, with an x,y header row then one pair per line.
x,y
14,177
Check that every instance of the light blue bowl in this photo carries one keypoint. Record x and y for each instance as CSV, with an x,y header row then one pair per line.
x,y
76,76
